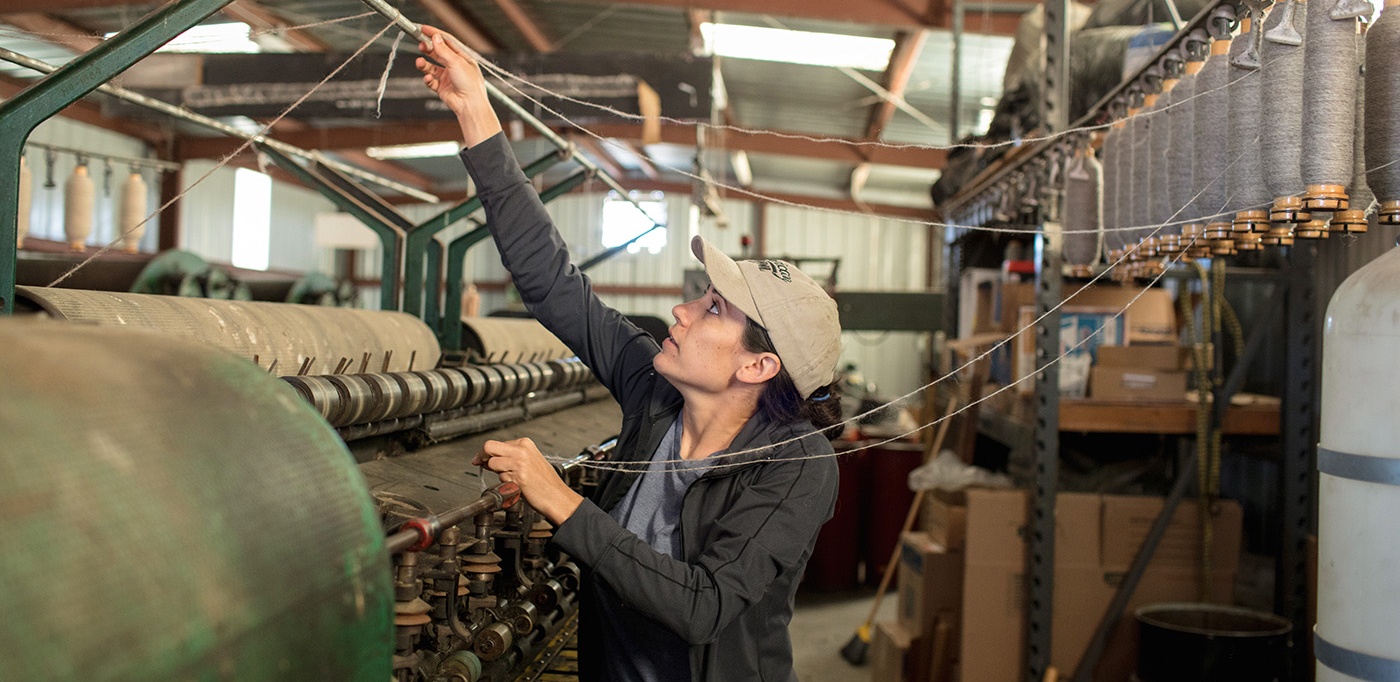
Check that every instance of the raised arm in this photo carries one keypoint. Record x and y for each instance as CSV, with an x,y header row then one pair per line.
x,y
554,290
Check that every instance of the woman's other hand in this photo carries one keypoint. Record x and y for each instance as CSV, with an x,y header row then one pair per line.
x,y
520,462
455,77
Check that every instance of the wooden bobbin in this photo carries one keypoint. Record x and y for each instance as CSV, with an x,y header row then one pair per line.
x,y
1251,221
1351,220
1081,271
1279,235
1313,229
1390,211
1223,247
1150,248
1219,231
1169,244
1247,241
1288,210
1325,198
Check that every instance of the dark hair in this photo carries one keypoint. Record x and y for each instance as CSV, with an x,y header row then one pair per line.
x,y
780,400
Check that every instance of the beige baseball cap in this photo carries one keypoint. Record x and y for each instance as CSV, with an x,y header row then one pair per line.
x,y
798,314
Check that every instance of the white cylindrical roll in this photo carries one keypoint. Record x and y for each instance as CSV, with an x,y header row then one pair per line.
x,y
1358,586
79,197
131,215
26,197
1083,209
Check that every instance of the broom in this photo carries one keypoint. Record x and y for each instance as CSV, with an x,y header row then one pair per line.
x,y
855,650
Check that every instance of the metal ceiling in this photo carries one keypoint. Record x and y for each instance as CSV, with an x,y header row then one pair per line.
x,y
805,100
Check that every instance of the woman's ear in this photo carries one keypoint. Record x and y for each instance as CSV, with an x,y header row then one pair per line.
x,y
759,367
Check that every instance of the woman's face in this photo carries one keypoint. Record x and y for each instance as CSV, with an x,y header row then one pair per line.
x,y
706,346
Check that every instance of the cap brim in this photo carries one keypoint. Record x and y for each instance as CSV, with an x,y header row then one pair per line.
x,y
725,277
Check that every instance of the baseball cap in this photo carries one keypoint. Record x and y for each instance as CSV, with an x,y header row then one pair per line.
x,y
799,316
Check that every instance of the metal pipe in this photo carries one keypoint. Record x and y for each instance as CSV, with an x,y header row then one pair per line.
x,y
416,32
212,124
147,163
420,533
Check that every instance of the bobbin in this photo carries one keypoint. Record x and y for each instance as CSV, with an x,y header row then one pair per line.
x,y
1313,229
1279,235
1219,231
1349,221
1222,247
1248,241
1390,212
1169,244
1251,221
1289,210
1325,198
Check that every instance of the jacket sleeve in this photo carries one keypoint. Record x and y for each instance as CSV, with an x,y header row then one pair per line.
x,y
767,532
553,289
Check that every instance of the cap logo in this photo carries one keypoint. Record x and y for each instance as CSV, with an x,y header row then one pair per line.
x,y
777,268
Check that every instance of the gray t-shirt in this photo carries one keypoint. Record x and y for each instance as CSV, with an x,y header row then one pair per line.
x,y
645,651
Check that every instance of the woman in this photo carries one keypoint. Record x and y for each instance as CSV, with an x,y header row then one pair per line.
x,y
708,546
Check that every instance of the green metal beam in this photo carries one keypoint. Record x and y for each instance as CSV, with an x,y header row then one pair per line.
x,y
390,236
420,236
451,335
51,94
432,310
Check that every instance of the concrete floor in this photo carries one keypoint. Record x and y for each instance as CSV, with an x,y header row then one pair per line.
x,y
823,623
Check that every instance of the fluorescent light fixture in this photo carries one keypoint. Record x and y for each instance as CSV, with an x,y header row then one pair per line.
x,y
232,36
426,150
797,47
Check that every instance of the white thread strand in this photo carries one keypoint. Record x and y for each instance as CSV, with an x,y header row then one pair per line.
x,y
384,77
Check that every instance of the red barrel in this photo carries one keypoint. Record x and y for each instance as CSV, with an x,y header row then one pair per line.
x,y
889,497
835,562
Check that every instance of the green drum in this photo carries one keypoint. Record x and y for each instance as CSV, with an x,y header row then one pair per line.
x,y
170,512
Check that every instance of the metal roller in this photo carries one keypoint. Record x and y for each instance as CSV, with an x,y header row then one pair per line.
x,y
356,397
546,375
438,391
415,394
175,513
503,339
316,390
388,398
476,384
495,382
291,336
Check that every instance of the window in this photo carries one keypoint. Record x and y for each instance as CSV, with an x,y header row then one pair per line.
x,y
622,221
252,219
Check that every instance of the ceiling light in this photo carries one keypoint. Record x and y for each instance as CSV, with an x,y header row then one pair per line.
x,y
797,47
427,150
232,36
742,171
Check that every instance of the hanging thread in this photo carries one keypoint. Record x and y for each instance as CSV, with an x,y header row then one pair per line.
x,y
1354,219
1247,193
132,212
1329,85
384,77
1127,169
1212,125
1381,128
1083,211
26,197
1281,92
79,197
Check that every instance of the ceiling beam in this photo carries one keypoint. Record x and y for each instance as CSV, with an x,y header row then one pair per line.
x,y
907,47
907,212
53,30
261,19
534,34
451,19
329,139
600,155
647,167
900,14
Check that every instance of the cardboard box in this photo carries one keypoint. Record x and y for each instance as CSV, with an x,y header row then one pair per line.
x,y
979,290
889,652
1014,296
1093,536
930,581
1131,383
1168,357
1151,319
945,520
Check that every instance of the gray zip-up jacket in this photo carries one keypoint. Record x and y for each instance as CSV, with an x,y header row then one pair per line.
x,y
747,530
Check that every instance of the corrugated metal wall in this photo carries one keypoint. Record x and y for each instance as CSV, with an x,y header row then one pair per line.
x,y
46,211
